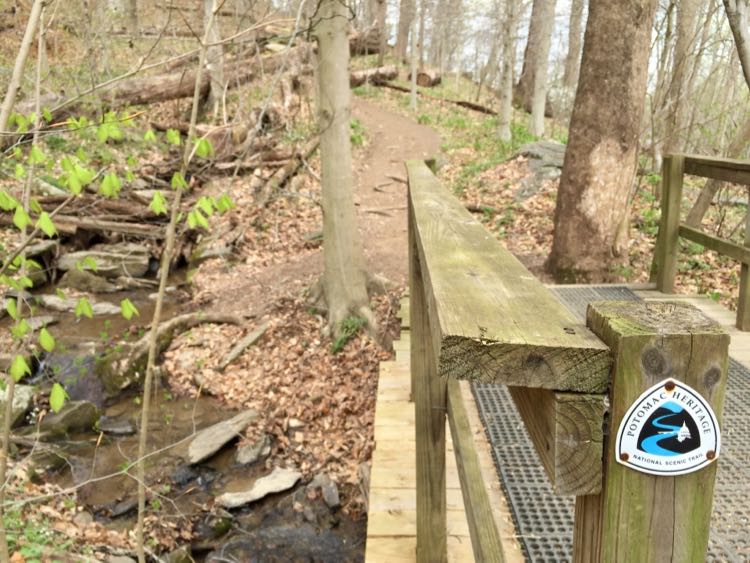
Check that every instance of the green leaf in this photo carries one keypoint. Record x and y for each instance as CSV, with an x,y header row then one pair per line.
x,y
57,397
35,206
224,203
22,124
46,225
36,156
88,263
82,155
47,115
206,205
21,219
25,282
200,219
129,176
84,175
10,306
150,136
110,186
19,368
173,137
7,201
178,181
128,309
46,340
203,148
158,204
20,329
191,220
60,293
20,171
83,308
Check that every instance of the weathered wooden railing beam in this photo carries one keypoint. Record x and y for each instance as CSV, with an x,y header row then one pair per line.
x,y
566,429
491,320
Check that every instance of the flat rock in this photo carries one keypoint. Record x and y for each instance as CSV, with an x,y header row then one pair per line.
x,y
40,321
112,260
328,489
250,453
210,440
67,305
23,395
117,426
75,416
83,280
42,247
280,479
543,153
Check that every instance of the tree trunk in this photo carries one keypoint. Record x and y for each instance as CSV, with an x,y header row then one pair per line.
x,y
575,40
23,52
737,14
214,60
601,157
539,85
680,87
344,279
406,14
382,9
537,51
506,80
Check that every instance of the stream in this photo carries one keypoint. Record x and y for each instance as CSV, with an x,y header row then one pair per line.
x,y
294,525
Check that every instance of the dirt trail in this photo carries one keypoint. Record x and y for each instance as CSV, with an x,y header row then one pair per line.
x,y
381,201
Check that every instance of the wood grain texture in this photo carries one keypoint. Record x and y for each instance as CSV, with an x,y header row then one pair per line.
x,y
722,246
725,169
743,303
566,429
429,393
491,319
641,517
485,539
666,250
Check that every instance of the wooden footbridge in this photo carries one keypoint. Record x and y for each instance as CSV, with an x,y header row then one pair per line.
x,y
475,314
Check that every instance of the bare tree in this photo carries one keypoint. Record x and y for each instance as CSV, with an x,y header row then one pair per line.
x,y
407,11
506,80
575,41
601,157
537,51
680,87
23,52
737,14
546,25
344,278
214,58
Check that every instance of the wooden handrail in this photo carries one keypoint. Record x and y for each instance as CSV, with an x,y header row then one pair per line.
x,y
674,168
477,313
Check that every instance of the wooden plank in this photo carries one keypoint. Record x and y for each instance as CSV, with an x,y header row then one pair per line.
x,y
638,516
566,429
743,303
402,550
394,413
722,246
386,498
429,393
485,539
666,251
724,169
493,320
404,523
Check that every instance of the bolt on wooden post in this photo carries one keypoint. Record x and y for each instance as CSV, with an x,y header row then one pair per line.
x,y
668,380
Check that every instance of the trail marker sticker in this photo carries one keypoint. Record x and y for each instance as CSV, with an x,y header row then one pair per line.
x,y
669,430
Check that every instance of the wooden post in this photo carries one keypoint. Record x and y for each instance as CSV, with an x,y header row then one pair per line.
x,y
430,403
667,243
743,304
638,516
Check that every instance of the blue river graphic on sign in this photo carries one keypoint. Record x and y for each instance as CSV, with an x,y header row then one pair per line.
x,y
669,431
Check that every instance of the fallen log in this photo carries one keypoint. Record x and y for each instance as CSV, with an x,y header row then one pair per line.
x,y
463,103
181,84
428,78
375,76
364,42
129,365
283,174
